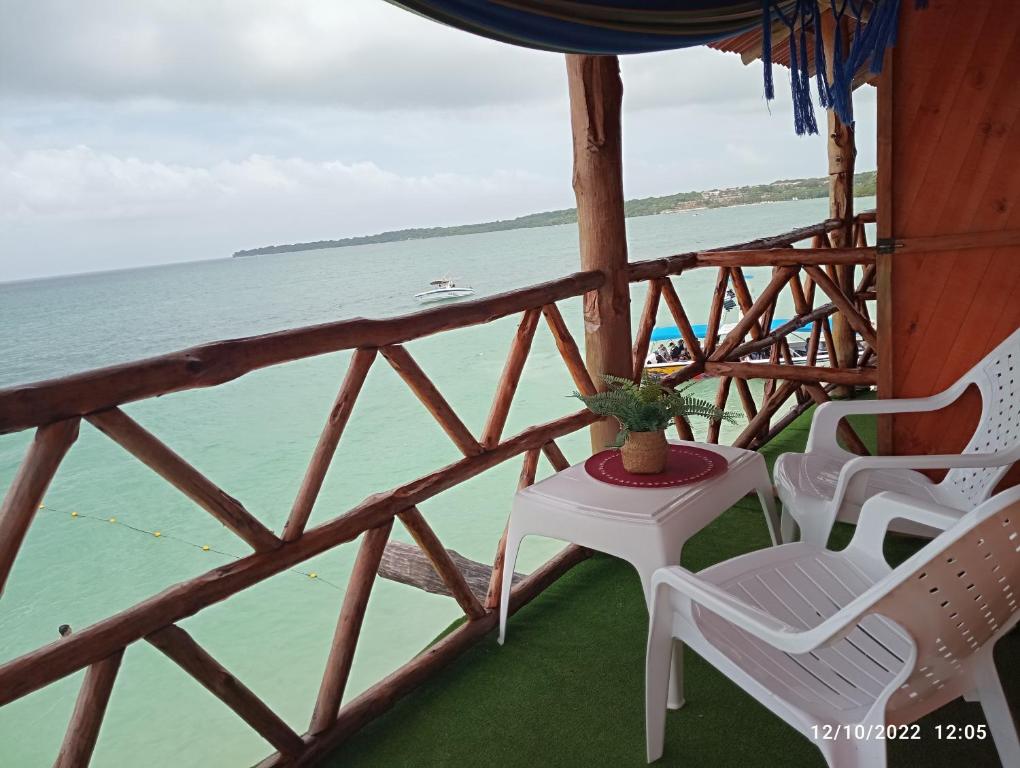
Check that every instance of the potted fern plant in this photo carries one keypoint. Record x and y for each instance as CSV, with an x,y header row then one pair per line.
x,y
645,410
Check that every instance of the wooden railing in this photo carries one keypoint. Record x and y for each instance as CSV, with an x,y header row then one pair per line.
x,y
56,409
725,358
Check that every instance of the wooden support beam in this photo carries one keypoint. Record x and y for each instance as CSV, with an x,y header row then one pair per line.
x,y
800,303
407,564
683,429
441,560
715,311
568,350
676,309
845,305
842,152
182,649
42,666
830,345
596,97
511,377
325,449
643,338
762,250
777,428
166,463
89,710
766,412
27,489
384,694
786,257
32,405
782,331
412,374
765,300
722,395
746,398
528,472
744,298
555,456
348,628
800,373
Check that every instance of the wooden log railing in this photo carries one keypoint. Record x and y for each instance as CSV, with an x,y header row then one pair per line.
x,y
802,271
57,408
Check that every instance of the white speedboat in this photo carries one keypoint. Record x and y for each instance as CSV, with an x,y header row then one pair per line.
x,y
443,290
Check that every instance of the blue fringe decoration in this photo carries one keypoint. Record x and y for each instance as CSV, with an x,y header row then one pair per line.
x,y
766,49
868,46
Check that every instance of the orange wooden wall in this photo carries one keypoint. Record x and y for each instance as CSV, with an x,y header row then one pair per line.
x,y
955,169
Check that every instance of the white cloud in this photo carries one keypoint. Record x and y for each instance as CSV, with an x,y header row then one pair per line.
x,y
365,54
163,130
71,209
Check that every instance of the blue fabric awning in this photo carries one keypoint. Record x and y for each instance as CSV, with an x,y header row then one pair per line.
x,y
599,26
641,26
666,332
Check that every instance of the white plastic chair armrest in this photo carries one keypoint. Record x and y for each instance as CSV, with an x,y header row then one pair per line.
x,y
881,509
747,617
923,461
827,416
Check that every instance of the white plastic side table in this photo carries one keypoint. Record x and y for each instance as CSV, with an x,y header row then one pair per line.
x,y
647,527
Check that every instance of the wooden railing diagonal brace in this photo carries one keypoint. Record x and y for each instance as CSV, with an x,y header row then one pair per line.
x,y
846,307
441,561
765,299
676,309
510,378
568,350
412,374
89,710
643,336
329,439
27,489
162,460
182,649
348,627
528,472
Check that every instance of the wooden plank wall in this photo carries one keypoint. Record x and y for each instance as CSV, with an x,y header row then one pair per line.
x,y
955,134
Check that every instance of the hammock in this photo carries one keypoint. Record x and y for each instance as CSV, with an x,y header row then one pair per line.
x,y
641,26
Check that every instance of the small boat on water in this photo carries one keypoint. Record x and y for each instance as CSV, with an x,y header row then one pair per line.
x,y
444,289
668,354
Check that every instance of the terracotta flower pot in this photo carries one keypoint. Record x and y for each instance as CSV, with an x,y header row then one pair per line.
x,y
644,453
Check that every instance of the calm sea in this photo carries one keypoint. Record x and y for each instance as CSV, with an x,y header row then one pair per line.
x,y
254,437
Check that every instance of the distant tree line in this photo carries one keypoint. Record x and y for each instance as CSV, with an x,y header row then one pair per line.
x,y
777,191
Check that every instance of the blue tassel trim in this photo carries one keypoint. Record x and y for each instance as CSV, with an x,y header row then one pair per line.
x,y
867,47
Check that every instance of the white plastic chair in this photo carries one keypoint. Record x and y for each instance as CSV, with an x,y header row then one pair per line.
x,y
831,641
828,483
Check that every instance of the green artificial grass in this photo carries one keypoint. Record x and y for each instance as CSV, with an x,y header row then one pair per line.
x,y
567,689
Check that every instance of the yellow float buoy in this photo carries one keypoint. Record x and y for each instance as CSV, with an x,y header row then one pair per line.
x,y
313,575
157,534
74,514
205,547
113,519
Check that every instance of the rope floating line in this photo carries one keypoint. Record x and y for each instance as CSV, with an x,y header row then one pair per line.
x,y
159,534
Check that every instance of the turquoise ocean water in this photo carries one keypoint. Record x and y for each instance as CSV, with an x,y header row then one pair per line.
x,y
254,437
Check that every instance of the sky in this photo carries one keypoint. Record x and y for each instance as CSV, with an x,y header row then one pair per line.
x,y
158,131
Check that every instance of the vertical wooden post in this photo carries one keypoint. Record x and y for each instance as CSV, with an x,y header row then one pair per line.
x,y
26,491
596,96
885,225
842,152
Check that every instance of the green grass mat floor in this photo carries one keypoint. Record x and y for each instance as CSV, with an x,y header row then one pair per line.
x,y
567,688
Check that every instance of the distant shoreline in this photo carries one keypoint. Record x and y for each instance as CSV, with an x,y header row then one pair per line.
x,y
778,191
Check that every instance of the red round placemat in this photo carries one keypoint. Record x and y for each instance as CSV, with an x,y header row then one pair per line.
x,y
685,464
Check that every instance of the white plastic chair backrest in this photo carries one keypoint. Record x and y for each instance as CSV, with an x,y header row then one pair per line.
x,y
963,596
997,377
